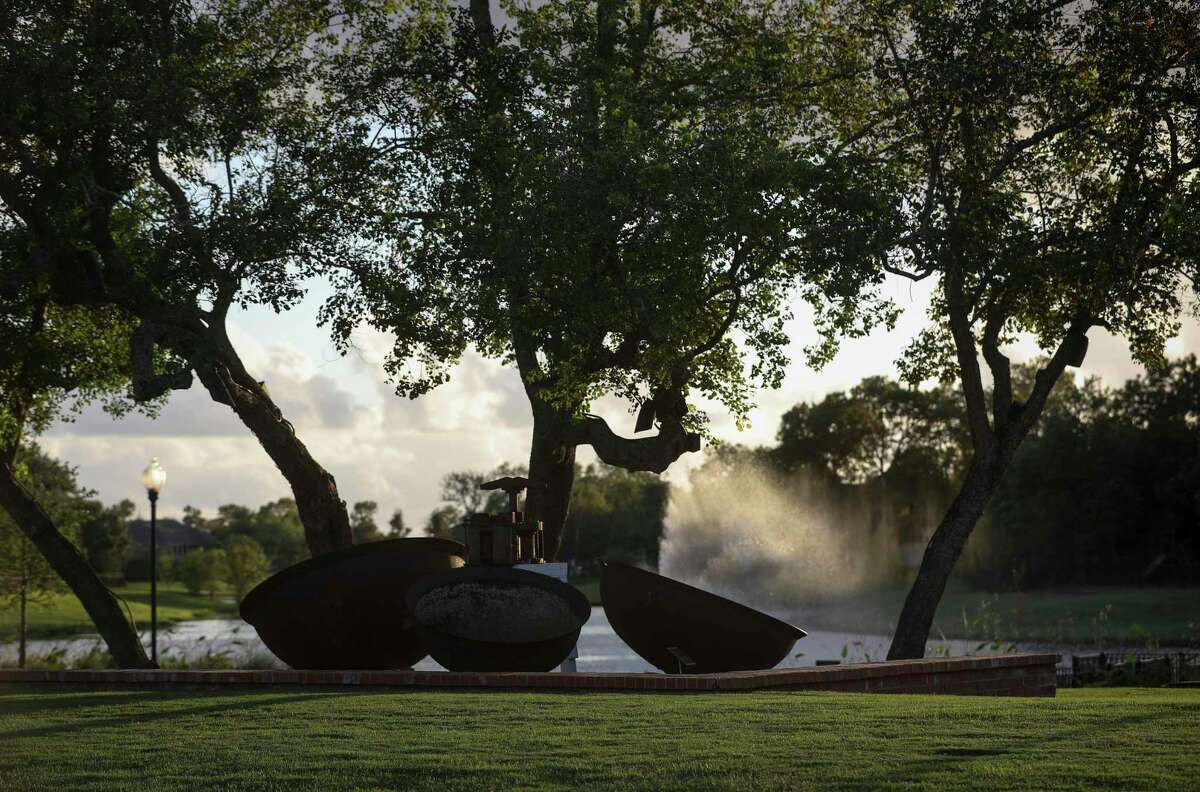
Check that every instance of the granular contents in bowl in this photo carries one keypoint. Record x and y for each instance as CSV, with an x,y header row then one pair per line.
x,y
510,614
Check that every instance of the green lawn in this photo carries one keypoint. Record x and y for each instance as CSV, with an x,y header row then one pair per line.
x,y
63,615
1163,616
324,740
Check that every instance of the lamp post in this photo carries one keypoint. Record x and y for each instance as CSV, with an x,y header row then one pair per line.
x,y
154,478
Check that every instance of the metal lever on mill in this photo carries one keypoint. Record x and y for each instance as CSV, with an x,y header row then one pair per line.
x,y
505,539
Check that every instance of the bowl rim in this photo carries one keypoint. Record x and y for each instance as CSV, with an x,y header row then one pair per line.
x,y
253,598
622,567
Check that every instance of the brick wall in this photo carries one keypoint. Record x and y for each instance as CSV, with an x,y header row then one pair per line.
x,y
1001,675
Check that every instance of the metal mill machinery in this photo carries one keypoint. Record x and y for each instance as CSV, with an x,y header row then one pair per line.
x,y
505,539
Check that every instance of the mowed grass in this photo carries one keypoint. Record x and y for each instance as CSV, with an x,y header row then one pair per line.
x,y
63,614
297,740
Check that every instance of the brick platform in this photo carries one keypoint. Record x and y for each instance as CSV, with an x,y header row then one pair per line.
x,y
1001,675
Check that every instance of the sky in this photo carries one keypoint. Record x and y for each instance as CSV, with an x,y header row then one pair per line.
x,y
394,450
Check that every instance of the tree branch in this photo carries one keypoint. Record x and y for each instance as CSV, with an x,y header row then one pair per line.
x,y
481,15
998,363
146,383
653,454
968,364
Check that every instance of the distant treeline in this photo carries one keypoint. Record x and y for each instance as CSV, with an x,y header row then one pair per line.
x,y
1106,491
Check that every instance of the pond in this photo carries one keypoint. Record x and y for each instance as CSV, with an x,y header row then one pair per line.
x,y
599,647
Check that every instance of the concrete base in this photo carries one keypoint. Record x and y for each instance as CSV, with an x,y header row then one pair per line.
x,y
1001,675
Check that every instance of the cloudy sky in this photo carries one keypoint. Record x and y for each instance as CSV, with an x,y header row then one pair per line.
x,y
394,451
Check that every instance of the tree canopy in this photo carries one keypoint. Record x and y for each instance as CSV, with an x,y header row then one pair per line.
x,y
1049,173
615,198
862,433
170,161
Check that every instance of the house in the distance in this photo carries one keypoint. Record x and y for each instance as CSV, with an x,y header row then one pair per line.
x,y
172,535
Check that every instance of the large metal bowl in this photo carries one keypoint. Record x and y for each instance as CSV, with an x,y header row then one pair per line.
x,y
459,653
685,630
346,609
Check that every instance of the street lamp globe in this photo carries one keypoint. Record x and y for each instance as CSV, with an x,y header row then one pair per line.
x,y
154,477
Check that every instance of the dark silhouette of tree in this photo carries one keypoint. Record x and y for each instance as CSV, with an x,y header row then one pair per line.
x,y
1097,495
861,434
460,489
169,161
615,514
1050,170
443,523
397,529
607,210
362,522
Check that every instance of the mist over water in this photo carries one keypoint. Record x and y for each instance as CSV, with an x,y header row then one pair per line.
x,y
786,544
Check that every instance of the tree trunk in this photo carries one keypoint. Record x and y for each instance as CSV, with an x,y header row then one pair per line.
x,y
941,554
322,511
23,627
551,476
100,603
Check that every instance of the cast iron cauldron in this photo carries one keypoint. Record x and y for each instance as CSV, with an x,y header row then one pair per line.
x,y
671,624
459,653
346,609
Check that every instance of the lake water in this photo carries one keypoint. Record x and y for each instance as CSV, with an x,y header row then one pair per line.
x,y
599,647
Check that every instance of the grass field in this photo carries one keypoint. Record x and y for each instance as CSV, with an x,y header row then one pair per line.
x,y
1150,616
1108,616
292,740
63,615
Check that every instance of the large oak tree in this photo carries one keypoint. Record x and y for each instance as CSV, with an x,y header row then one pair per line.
x,y
1050,150
168,159
614,197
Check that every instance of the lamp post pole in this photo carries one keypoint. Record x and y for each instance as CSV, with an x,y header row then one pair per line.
x,y
154,477
153,576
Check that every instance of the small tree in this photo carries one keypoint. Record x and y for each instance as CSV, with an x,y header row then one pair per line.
x,y
25,578
362,522
25,575
460,489
246,565
166,565
275,526
860,434
105,537
194,518
203,570
443,523
396,527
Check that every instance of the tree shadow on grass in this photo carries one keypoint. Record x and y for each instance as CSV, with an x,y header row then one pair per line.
x,y
229,701
22,698
939,760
